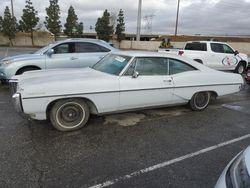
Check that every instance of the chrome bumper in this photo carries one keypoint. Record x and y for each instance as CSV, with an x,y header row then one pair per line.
x,y
13,87
17,101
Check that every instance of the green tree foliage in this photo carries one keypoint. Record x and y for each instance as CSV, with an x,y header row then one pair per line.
x,y
72,27
9,25
103,28
29,19
52,20
1,23
120,27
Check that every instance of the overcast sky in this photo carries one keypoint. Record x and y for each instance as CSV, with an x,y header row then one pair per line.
x,y
214,17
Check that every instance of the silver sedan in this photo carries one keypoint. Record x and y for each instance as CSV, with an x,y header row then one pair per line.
x,y
70,53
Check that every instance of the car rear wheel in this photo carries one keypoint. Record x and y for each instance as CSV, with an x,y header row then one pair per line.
x,y
69,114
200,101
240,68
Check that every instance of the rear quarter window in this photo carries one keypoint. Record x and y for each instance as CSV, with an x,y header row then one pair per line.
x,y
196,46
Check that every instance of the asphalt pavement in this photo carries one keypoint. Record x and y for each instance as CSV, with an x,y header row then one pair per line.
x,y
166,147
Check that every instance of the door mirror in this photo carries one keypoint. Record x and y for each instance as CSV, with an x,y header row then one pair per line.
x,y
135,74
50,52
236,52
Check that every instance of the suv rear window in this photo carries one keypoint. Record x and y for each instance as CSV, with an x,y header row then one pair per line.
x,y
196,46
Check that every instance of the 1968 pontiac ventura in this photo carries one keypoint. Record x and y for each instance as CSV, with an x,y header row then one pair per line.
x,y
121,81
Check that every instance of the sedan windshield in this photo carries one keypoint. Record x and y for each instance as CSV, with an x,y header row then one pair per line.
x,y
112,64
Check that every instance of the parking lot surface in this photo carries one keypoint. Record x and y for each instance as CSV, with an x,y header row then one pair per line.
x,y
166,147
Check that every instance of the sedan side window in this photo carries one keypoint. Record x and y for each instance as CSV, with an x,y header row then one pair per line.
x,y
87,47
64,48
148,66
176,66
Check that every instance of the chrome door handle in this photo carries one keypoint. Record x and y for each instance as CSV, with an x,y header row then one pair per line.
x,y
73,58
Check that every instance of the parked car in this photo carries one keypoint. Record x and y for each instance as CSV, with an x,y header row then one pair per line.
x,y
236,173
70,53
217,55
121,81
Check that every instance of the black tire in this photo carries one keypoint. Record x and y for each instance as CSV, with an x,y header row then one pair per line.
x,y
240,68
69,114
200,101
26,69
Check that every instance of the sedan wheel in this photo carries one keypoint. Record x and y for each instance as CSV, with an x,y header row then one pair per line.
x,y
200,101
69,115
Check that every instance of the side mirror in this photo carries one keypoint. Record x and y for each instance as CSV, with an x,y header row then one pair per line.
x,y
236,52
135,74
50,52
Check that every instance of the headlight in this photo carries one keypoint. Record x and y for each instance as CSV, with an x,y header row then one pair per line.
x,y
6,62
237,175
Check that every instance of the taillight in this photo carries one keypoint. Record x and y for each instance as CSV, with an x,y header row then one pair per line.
x,y
180,52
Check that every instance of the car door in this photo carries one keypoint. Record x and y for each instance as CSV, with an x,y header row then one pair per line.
x,y
89,53
222,56
152,87
64,56
184,77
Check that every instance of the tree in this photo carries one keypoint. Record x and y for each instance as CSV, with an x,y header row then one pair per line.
x,y
52,20
9,25
1,23
29,19
103,28
72,27
120,27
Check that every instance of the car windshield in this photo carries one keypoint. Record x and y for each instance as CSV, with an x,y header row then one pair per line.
x,y
112,64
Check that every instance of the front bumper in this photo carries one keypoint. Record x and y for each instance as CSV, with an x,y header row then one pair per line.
x,y
17,101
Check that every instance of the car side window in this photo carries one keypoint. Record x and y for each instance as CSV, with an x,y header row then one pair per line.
x,y
87,47
227,49
64,48
176,66
148,66
196,46
218,48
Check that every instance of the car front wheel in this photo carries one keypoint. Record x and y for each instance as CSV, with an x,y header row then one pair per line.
x,y
69,114
240,68
200,100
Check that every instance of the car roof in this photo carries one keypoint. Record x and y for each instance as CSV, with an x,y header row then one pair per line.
x,y
204,41
134,53
96,41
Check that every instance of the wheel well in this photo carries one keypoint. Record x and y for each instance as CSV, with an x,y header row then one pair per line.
x,y
214,95
30,66
91,105
245,63
198,60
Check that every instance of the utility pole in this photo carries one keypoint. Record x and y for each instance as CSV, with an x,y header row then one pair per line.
x,y
177,18
12,9
138,33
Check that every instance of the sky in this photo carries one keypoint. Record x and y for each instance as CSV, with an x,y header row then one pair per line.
x,y
196,17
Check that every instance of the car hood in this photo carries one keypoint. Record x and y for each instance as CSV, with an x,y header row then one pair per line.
x,y
64,81
22,57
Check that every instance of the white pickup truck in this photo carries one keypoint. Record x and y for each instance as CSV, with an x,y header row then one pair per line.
x,y
217,55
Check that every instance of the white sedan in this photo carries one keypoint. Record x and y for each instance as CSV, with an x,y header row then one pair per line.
x,y
121,81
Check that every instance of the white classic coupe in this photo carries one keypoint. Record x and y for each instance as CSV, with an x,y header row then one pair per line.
x,y
121,81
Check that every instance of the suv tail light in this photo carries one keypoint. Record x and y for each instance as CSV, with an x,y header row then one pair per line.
x,y
180,52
